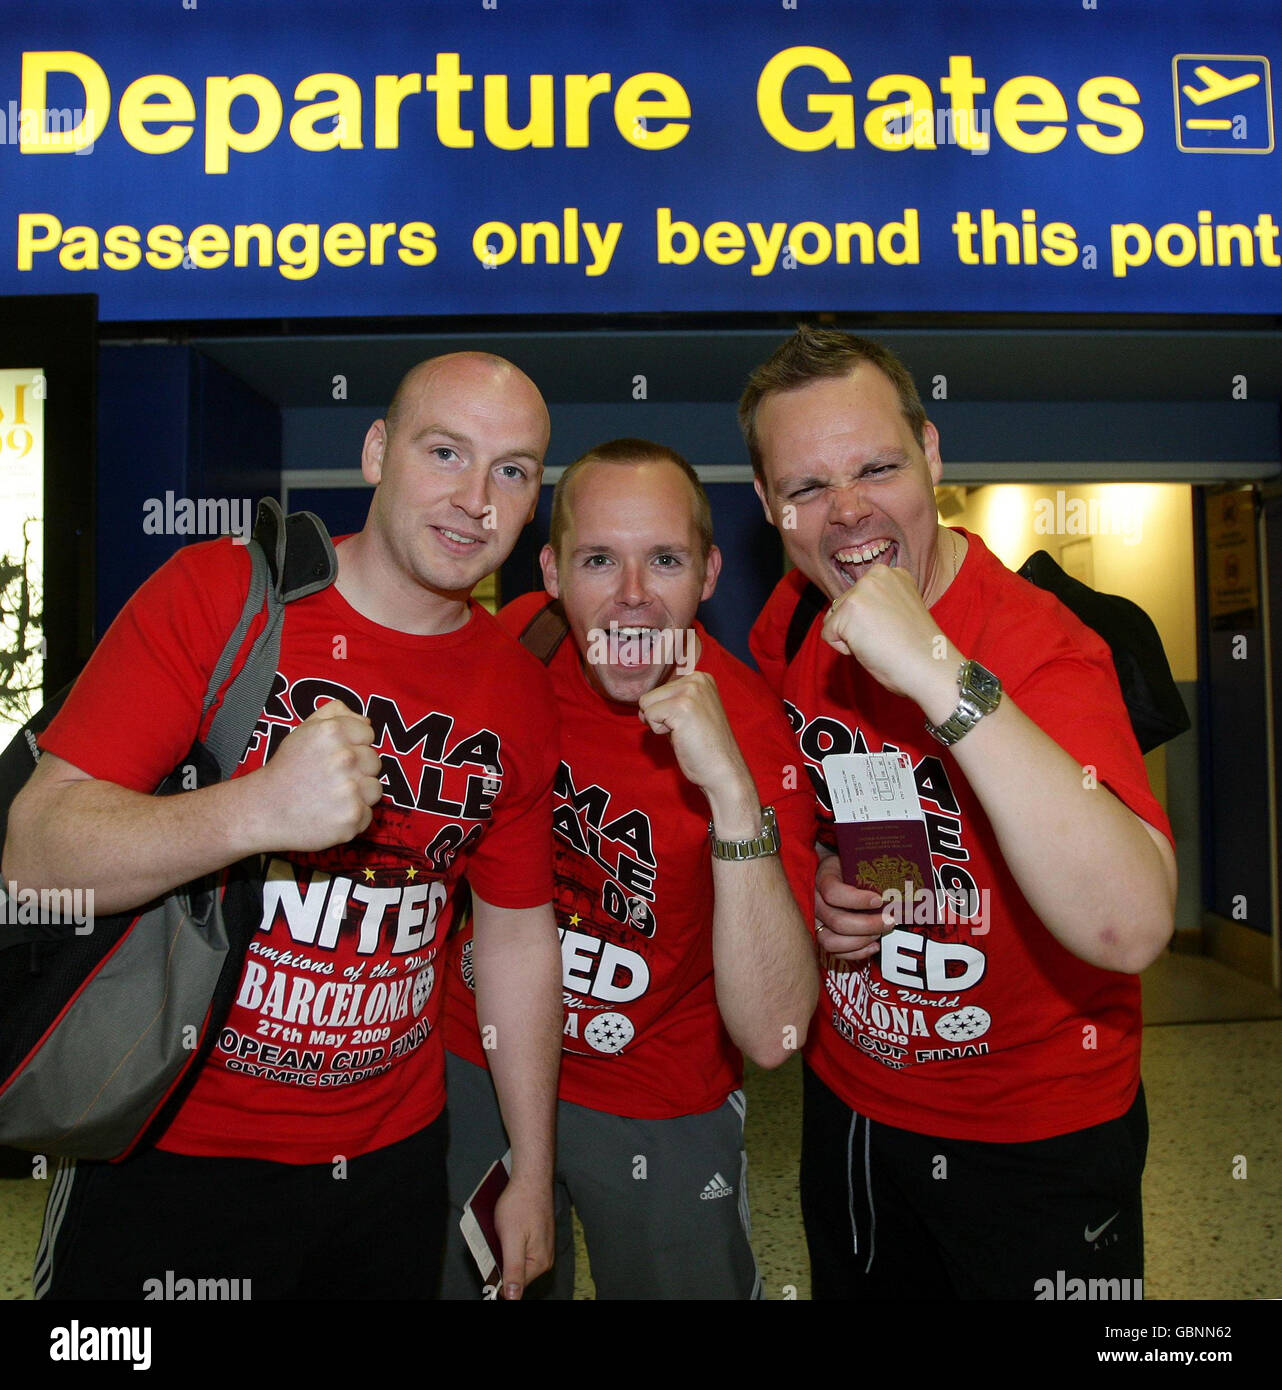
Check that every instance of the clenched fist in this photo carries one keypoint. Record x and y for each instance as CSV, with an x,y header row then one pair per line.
x,y
320,787
689,710
882,622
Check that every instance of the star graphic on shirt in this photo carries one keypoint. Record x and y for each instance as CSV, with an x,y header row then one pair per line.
x,y
575,919
369,875
411,872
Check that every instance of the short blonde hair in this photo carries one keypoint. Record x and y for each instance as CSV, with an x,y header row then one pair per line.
x,y
630,451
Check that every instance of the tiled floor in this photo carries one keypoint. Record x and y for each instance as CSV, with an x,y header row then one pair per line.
x,y
1213,1186
1214,1091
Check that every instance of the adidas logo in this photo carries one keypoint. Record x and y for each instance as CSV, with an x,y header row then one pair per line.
x,y
718,1187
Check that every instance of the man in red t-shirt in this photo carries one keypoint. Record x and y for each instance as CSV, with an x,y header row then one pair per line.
x,y
681,940
974,1123
308,1159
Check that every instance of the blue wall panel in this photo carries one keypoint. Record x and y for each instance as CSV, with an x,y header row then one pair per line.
x,y
143,442
171,426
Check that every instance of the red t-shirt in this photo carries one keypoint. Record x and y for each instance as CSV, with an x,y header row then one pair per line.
x,y
634,894
332,1045
999,1033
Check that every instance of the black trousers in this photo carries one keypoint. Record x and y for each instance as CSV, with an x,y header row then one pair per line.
x,y
366,1227
890,1213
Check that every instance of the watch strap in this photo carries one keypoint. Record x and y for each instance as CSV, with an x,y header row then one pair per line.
x,y
972,704
755,848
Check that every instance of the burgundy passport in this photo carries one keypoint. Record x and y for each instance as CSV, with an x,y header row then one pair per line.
x,y
881,831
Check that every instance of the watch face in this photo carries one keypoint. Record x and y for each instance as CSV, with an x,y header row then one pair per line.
x,y
982,684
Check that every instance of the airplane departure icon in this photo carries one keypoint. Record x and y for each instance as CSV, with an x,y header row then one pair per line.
x,y
1223,103
1215,85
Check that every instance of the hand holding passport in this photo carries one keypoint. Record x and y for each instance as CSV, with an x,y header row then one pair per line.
x,y
881,833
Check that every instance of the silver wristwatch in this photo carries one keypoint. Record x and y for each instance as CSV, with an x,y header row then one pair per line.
x,y
756,848
981,693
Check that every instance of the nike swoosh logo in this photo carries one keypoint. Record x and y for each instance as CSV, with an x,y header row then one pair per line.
x,y
1099,1230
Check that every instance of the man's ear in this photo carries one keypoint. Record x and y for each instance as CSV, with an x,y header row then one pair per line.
x,y
930,445
547,563
761,493
372,452
712,569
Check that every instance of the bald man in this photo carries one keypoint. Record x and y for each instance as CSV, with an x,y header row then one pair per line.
x,y
307,1161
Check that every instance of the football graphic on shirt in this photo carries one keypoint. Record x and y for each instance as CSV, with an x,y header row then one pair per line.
x,y
609,1032
963,1025
423,983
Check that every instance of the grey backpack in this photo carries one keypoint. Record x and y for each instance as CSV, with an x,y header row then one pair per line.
x,y
102,1031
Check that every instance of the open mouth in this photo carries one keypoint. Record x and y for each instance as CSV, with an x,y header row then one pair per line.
x,y
633,647
855,560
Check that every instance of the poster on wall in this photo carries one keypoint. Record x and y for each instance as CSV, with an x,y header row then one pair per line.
x,y
21,547
228,160
1232,587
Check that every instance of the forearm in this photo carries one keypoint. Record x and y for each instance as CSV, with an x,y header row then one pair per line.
x,y
517,960
1101,882
126,846
766,975
1086,864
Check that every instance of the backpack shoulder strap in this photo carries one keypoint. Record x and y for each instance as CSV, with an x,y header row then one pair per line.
x,y
810,605
300,554
290,557
545,631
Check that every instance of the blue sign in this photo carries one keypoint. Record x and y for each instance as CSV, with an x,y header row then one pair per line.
x,y
221,158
